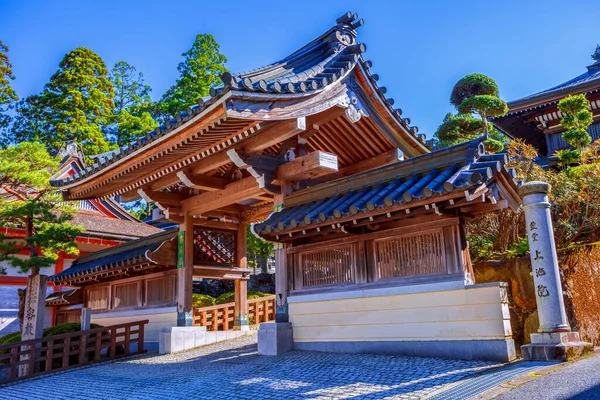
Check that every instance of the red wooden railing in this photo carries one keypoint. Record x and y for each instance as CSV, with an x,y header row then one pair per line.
x,y
222,317
35,357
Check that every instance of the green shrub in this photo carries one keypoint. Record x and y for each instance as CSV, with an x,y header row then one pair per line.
x,y
230,297
202,300
518,249
10,338
481,247
50,331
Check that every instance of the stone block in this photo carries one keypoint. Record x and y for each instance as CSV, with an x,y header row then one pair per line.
x,y
555,346
180,338
275,338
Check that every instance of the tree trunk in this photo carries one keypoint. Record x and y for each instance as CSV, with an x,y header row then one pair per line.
x,y
21,312
264,267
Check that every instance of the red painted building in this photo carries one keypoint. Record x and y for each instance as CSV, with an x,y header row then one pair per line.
x,y
106,223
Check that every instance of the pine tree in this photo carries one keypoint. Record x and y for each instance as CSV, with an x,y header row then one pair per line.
x,y
31,204
131,115
576,119
474,94
74,105
199,71
28,204
7,94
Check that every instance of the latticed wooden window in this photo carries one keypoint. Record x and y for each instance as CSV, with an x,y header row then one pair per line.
x,y
331,266
213,247
161,290
97,299
125,295
417,254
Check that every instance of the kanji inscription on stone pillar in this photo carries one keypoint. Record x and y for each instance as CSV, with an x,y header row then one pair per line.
x,y
544,262
33,318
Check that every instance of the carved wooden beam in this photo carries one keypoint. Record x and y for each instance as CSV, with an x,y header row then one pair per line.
x,y
235,192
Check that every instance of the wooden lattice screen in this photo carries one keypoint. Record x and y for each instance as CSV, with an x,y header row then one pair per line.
x,y
330,266
213,247
418,254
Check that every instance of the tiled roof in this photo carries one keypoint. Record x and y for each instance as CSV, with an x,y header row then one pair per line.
x,y
322,62
65,297
467,167
99,225
588,81
130,253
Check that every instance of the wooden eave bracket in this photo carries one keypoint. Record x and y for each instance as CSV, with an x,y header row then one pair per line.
x,y
308,166
262,168
202,182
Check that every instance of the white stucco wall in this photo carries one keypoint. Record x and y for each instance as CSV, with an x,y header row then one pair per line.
x,y
158,319
439,312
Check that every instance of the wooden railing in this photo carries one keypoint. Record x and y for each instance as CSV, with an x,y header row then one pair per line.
x,y
222,316
36,357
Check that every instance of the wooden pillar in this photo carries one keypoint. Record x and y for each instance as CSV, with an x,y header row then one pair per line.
x,y
185,273
281,267
240,246
241,285
241,305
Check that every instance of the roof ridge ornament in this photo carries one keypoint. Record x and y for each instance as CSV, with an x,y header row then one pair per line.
x,y
596,55
596,58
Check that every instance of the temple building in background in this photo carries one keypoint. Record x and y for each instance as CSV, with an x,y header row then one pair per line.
x,y
106,223
536,118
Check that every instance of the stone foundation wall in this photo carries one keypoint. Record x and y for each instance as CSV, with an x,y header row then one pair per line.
x,y
580,272
433,320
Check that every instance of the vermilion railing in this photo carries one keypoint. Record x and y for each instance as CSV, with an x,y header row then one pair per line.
x,y
222,317
41,356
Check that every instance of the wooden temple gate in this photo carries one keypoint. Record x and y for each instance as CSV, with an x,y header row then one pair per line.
x,y
230,160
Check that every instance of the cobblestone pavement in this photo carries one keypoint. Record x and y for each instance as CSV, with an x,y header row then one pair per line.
x,y
234,370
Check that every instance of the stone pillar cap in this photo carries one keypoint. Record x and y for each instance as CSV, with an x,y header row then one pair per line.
x,y
534,187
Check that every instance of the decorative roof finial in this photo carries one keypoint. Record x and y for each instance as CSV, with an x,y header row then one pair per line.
x,y
596,55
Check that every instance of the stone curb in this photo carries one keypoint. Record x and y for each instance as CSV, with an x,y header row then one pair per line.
x,y
526,378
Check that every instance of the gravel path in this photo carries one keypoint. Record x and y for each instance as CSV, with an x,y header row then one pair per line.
x,y
234,370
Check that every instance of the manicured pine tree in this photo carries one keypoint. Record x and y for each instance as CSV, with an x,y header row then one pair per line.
x,y
199,71
576,119
29,204
474,94
73,107
132,105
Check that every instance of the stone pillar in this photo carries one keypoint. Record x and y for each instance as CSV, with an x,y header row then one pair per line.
x,y
33,318
185,272
241,305
86,318
555,341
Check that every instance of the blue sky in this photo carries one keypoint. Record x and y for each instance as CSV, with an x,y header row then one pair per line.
x,y
419,48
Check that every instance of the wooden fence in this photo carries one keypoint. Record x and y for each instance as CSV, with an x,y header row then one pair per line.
x,y
222,317
36,357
